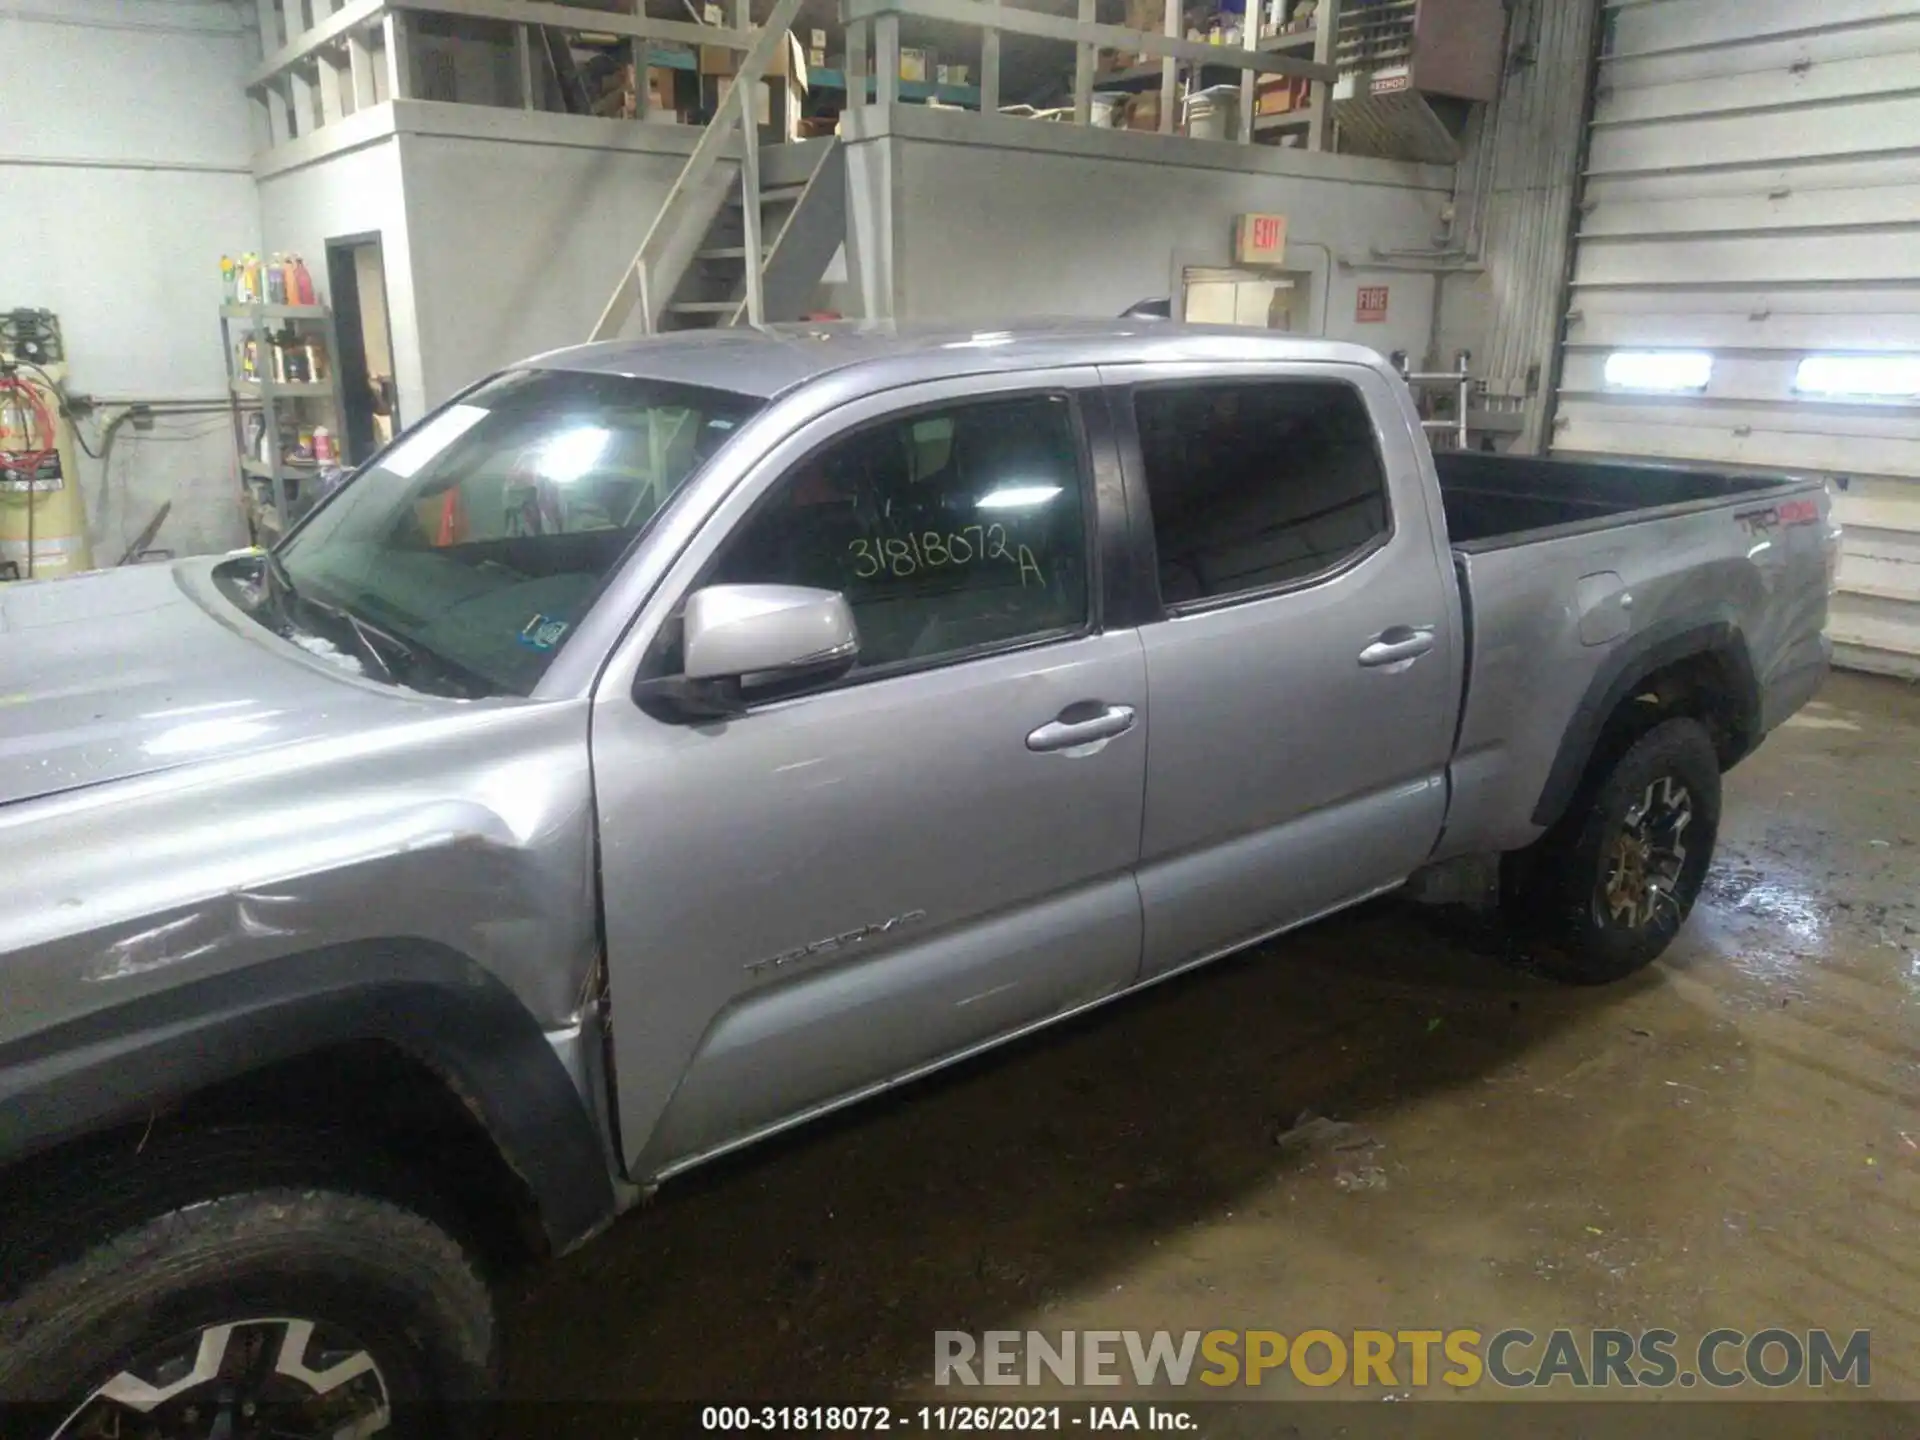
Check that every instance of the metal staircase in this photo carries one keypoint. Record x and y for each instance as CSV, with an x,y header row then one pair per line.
x,y
801,224
726,249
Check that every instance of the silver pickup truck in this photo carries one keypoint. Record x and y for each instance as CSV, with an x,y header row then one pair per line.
x,y
666,742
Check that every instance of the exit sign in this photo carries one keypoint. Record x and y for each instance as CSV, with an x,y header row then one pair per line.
x,y
1371,307
1260,240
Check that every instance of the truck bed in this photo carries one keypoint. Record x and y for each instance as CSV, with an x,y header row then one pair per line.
x,y
1571,572
1494,500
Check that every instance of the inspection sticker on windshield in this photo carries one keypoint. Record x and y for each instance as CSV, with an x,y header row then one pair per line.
x,y
542,632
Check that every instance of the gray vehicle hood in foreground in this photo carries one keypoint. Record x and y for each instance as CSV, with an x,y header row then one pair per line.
x,y
125,672
184,794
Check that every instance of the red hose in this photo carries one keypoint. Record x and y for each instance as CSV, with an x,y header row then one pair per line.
x,y
30,461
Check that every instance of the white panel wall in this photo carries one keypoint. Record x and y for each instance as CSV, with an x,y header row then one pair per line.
x,y
1031,219
123,176
1752,191
354,192
517,242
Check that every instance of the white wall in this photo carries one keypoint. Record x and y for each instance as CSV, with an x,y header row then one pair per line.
x,y
1049,220
349,193
123,177
517,241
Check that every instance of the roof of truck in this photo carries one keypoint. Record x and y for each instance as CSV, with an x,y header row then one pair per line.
x,y
772,359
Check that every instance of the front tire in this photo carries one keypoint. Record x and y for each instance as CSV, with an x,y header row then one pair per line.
x,y
250,1308
1619,880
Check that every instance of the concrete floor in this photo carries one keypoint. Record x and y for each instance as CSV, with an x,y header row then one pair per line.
x,y
1729,1139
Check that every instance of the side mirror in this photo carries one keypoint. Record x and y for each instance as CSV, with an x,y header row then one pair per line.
x,y
737,638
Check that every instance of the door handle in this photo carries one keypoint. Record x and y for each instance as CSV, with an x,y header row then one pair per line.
x,y
1401,642
1105,722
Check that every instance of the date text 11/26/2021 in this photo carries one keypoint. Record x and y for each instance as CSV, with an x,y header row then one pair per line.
x,y
964,1419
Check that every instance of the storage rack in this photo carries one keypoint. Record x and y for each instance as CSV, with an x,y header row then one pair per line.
x,y
1304,41
270,489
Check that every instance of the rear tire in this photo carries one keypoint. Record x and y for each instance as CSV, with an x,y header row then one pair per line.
x,y
1616,881
233,1302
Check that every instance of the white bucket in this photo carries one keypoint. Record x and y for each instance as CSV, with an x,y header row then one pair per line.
x,y
1213,113
1106,107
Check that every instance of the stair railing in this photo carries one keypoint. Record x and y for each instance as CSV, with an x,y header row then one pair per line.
x,y
656,269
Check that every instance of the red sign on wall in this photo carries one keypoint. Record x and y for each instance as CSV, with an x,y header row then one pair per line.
x,y
1371,307
1260,240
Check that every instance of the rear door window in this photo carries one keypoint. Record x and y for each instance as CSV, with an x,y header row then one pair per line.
x,y
1258,484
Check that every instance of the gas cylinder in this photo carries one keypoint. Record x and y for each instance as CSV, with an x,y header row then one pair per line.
x,y
43,524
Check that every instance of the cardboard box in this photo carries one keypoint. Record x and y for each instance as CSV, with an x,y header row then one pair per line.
x,y
913,64
719,60
817,40
618,98
1283,95
1143,113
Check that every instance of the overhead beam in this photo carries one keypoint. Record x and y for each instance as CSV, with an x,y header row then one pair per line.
x,y
578,17
1074,32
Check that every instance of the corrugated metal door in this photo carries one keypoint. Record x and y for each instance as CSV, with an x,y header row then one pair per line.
x,y
1753,195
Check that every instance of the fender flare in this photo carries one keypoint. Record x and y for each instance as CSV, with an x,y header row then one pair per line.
x,y
1653,649
429,1001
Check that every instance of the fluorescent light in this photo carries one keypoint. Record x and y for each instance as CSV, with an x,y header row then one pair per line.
x,y
1874,377
1659,369
431,438
1016,497
571,453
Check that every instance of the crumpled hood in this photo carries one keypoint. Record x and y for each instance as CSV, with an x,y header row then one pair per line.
x,y
122,672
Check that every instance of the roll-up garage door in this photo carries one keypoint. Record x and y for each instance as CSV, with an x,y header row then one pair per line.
x,y
1747,275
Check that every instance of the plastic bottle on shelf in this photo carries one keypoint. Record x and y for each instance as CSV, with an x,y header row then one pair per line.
x,y
302,287
250,293
323,451
227,279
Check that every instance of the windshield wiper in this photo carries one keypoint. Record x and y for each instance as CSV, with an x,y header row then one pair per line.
x,y
378,648
358,630
289,601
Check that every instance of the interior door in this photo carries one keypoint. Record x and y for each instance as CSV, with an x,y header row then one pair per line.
x,y
1305,675
842,886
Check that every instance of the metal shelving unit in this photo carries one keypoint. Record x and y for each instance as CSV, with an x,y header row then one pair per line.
x,y
271,491
1314,42
1135,76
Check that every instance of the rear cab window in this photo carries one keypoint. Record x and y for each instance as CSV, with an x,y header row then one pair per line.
x,y
1258,484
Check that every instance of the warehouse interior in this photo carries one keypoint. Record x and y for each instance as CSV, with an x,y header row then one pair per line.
x,y
248,246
